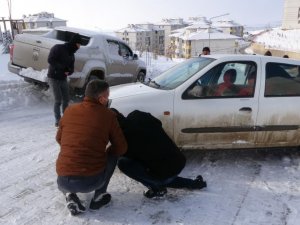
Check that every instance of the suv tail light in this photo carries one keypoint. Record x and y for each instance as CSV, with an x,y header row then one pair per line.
x,y
11,51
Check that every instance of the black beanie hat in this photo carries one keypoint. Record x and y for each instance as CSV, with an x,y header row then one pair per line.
x,y
76,39
206,49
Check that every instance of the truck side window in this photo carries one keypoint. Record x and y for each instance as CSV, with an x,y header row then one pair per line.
x,y
125,51
113,47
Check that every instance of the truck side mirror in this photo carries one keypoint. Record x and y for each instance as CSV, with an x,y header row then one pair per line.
x,y
135,57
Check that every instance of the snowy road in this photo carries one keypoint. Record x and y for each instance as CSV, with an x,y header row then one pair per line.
x,y
244,187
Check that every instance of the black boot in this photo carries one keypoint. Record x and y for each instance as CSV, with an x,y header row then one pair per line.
x,y
99,201
155,192
74,205
198,183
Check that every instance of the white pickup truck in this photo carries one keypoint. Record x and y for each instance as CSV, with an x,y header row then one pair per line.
x,y
99,57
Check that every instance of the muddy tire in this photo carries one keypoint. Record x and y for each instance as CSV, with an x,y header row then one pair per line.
x,y
141,77
94,77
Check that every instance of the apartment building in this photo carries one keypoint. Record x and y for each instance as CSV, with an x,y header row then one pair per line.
x,y
189,41
179,47
229,26
291,15
143,37
43,19
177,38
168,25
188,44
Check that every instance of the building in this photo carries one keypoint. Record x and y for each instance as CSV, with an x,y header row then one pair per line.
x,y
143,37
219,43
43,19
291,15
225,24
189,41
229,26
171,36
168,25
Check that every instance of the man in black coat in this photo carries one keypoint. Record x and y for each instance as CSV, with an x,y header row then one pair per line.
x,y
61,64
152,157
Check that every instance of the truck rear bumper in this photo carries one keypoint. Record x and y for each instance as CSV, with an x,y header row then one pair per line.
x,y
17,69
13,69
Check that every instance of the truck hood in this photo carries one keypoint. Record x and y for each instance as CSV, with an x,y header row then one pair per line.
x,y
126,90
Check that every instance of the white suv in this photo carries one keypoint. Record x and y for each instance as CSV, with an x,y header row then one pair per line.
x,y
222,101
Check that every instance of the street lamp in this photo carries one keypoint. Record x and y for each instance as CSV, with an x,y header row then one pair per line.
x,y
210,22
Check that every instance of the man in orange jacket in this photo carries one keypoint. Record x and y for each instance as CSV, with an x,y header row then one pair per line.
x,y
85,163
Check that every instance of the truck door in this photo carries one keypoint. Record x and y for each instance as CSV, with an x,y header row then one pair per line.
x,y
130,66
114,63
278,120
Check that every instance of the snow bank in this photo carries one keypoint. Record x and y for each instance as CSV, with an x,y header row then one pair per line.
x,y
157,66
5,75
16,93
286,40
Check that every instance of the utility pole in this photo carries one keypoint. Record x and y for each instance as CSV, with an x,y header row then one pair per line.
x,y
9,8
4,24
9,17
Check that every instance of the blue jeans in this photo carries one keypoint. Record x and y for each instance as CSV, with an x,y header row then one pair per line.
x,y
137,171
60,90
85,184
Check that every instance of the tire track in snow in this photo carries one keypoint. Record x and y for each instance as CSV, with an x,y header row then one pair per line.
x,y
257,169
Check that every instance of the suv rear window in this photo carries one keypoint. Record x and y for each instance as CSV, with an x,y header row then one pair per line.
x,y
66,36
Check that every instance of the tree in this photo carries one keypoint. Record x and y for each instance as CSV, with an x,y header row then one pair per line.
x,y
7,40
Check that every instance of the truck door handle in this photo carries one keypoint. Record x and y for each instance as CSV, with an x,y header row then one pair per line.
x,y
245,109
39,42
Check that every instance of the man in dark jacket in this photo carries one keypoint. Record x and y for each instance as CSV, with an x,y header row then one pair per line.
x,y
61,64
152,157
84,163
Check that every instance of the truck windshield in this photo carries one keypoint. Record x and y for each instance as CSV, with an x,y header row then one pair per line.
x,y
178,74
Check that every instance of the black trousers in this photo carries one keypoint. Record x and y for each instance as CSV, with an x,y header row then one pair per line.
x,y
137,171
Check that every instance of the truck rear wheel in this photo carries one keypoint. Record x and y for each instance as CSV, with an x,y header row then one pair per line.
x,y
94,75
141,77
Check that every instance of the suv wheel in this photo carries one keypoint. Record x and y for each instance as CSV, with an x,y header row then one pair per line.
x,y
94,77
141,77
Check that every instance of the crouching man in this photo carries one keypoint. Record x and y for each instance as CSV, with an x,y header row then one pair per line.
x,y
152,157
84,163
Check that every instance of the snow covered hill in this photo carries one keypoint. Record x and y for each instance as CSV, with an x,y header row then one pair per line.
x,y
244,187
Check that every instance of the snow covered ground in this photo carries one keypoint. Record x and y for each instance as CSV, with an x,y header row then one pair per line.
x,y
244,187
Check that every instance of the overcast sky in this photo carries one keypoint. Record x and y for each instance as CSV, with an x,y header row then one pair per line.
x,y
116,14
